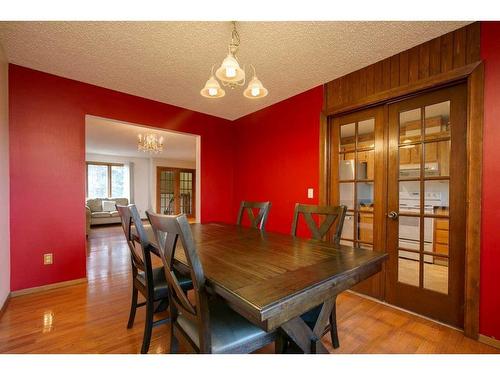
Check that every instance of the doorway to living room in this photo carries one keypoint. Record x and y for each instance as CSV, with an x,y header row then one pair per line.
x,y
125,163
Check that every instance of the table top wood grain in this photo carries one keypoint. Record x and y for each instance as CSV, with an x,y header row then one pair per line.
x,y
270,278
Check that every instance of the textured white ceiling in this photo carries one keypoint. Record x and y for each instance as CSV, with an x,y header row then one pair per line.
x,y
109,137
170,61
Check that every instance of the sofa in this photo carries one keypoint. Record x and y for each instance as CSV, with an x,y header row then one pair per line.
x,y
98,212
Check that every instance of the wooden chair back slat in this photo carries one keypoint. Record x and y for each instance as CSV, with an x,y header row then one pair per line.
x,y
259,221
331,215
126,221
167,230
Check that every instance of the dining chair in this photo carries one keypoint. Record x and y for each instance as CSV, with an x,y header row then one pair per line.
x,y
259,221
331,215
333,220
208,325
149,281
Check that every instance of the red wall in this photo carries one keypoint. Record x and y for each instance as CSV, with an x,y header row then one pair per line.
x,y
47,167
490,234
277,156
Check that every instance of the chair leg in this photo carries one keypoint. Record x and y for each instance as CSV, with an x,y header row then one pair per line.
x,y
148,326
133,308
162,306
174,344
333,326
280,344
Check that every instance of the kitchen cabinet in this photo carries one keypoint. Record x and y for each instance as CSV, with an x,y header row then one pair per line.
x,y
443,157
348,156
431,152
365,224
409,155
347,144
441,236
435,128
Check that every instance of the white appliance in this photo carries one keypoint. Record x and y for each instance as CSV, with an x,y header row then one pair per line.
x,y
346,169
409,233
413,170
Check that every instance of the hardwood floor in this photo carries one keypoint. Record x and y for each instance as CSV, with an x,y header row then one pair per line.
x,y
92,317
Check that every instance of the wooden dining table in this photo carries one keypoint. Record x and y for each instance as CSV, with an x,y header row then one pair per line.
x,y
272,279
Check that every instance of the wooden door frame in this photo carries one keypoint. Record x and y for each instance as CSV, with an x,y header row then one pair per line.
x,y
473,74
177,172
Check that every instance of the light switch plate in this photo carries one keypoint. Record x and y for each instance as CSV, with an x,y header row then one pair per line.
x,y
48,258
310,193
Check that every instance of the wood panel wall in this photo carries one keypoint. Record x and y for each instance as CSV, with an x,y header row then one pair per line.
x,y
433,58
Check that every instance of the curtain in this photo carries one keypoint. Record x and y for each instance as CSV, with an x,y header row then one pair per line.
x,y
129,181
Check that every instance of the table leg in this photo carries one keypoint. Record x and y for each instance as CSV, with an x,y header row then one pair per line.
x,y
309,341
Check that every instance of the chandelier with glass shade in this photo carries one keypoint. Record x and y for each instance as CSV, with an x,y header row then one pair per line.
x,y
150,143
230,74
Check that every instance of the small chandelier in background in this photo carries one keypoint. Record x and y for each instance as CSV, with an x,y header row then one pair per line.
x,y
230,74
150,143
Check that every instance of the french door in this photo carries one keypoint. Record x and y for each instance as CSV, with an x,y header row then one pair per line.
x,y
175,192
400,168
359,175
426,210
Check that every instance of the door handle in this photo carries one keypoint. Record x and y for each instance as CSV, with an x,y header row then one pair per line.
x,y
393,215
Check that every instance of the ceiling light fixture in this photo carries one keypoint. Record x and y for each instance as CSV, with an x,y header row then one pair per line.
x,y
212,88
255,89
230,74
150,143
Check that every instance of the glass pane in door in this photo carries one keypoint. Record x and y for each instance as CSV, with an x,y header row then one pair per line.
x,y
409,197
346,166
167,197
437,197
366,133
365,224
409,161
186,193
408,268
347,137
437,120
436,257
409,232
436,274
437,235
365,164
410,127
347,195
437,158
364,195
348,228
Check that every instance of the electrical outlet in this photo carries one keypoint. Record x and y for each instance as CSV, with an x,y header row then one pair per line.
x,y
310,193
48,258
